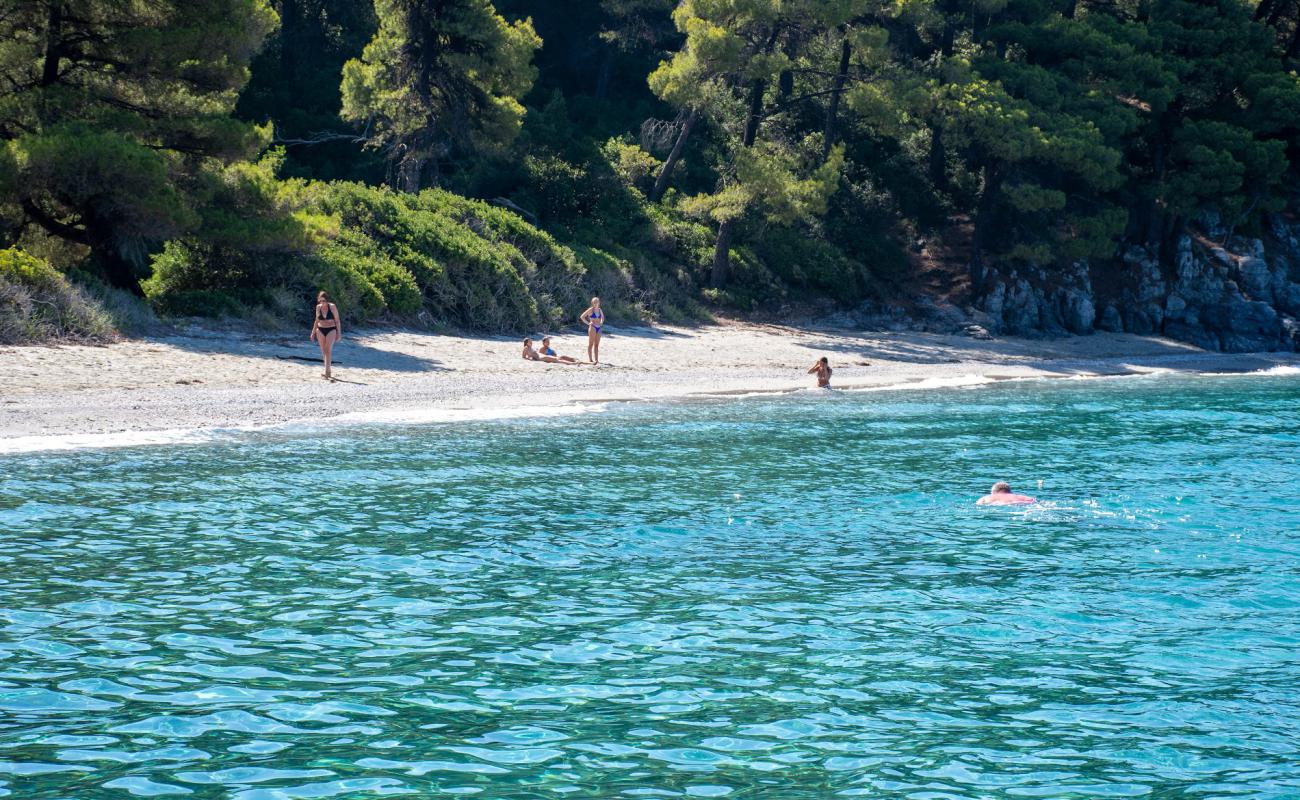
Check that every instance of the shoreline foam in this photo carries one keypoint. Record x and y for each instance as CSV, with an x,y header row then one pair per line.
x,y
197,388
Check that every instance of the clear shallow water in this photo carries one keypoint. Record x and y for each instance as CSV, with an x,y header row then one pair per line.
x,y
776,598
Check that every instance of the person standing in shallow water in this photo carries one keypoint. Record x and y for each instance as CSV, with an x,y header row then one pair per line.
x,y
594,319
326,330
822,369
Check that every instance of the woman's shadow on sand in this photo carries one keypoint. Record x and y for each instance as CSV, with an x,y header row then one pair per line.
x,y
352,352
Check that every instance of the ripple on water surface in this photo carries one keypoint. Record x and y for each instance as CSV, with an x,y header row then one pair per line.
x,y
785,598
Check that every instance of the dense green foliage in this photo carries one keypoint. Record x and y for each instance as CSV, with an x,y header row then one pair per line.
x,y
439,78
114,115
738,152
431,254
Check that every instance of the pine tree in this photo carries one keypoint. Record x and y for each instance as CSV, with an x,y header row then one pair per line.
x,y
113,113
736,53
440,77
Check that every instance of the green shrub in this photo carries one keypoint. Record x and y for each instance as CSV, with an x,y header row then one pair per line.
x,y
213,303
37,303
810,263
752,285
611,279
332,270
436,255
395,283
634,166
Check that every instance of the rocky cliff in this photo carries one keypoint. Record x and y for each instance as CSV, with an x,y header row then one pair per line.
x,y
1222,292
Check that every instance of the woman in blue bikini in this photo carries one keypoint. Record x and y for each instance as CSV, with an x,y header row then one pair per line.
x,y
595,320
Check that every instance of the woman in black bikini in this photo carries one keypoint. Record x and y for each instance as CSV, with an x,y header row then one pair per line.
x,y
326,329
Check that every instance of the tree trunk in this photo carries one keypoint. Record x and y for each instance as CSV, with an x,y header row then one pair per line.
x,y
118,271
1275,15
605,73
666,171
837,89
785,81
409,167
755,113
53,44
1155,213
938,150
289,44
983,216
1174,227
722,254
938,159
722,248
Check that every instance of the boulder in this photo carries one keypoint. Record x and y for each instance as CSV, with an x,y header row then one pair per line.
x,y
1077,310
1175,308
1192,333
1110,320
1223,257
983,319
1290,333
1256,278
1021,308
1145,319
1243,326
1212,224
1282,231
1289,298
1279,280
940,316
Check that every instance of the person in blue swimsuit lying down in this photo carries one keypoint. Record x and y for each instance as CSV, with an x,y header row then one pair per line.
x,y
532,354
594,319
547,351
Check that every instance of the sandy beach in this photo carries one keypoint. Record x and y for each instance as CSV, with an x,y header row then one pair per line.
x,y
206,378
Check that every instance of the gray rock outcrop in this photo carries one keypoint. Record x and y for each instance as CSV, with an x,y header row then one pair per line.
x,y
1240,296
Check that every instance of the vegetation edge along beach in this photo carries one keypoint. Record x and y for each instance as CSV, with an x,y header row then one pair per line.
x,y
1017,167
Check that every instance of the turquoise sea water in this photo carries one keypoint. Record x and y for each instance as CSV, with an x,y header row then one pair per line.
x,y
764,598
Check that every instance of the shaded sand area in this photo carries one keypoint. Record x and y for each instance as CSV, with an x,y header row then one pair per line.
x,y
206,378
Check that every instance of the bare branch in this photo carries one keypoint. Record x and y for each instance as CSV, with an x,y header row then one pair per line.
x,y
325,137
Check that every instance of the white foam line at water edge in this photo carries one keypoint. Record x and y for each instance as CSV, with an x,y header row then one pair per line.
x,y
931,383
55,442
1280,369
425,416
92,441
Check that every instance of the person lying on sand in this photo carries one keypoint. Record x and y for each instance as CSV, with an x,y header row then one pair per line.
x,y
547,351
823,371
1001,495
531,354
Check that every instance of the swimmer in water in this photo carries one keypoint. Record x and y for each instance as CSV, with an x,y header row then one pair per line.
x,y
1001,495
822,369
